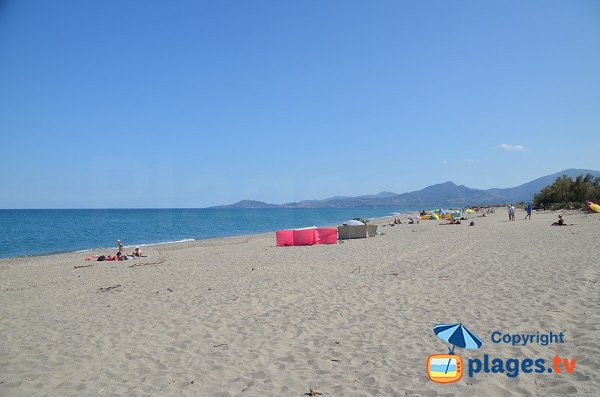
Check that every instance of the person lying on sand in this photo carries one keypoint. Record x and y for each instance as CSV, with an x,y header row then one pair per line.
x,y
119,257
451,221
109,258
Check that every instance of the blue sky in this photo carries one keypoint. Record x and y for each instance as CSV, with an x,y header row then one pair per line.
x,y
197,103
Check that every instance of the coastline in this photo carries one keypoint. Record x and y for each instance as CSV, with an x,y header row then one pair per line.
x,y
110,249
240,316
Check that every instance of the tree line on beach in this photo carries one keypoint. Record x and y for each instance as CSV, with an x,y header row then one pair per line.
x,y
569,193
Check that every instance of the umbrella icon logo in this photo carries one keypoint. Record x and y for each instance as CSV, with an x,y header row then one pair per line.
x,y
447,368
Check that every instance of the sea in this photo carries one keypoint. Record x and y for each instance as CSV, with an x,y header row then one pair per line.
x,y
49,231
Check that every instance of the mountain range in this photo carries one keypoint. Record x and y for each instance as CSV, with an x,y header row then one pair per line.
x,y
446,194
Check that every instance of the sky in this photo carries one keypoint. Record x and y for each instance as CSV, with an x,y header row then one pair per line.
x,y
153,104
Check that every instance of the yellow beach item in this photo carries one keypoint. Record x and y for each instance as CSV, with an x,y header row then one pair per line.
x,y
430,217
595,207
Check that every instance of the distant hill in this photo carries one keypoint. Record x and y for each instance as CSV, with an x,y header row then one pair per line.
x,y
249,204
526,191
446,194
379,195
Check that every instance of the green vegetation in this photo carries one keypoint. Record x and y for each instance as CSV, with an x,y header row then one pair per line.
x,y
568,193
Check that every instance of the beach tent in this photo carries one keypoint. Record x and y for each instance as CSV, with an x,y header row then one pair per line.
x,y
434,216
307,236
356,231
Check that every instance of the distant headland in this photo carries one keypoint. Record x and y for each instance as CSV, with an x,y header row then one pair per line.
x,y
446,194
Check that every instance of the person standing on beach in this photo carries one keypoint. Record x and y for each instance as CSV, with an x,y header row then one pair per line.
x,y
529,209
120,244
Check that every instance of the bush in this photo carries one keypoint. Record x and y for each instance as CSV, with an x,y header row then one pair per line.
x,y
568,193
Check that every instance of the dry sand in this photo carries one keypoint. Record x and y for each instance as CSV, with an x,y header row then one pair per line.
x,y
241,317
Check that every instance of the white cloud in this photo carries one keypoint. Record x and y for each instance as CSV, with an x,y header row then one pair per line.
x,y
514,148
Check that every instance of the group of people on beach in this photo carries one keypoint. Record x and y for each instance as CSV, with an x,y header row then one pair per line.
x,y
512,210
120,256
529,210
511,213
410,221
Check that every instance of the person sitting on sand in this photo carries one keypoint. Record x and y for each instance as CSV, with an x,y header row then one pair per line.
x,y
561,222
410,221
121,256
136,252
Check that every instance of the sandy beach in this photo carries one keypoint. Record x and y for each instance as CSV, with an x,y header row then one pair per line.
x,y
241,317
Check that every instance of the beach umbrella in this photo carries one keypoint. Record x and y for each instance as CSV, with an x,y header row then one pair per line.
x,y
457,335
352,222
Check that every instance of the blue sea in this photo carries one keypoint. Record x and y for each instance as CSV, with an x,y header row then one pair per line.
x,y
39,232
